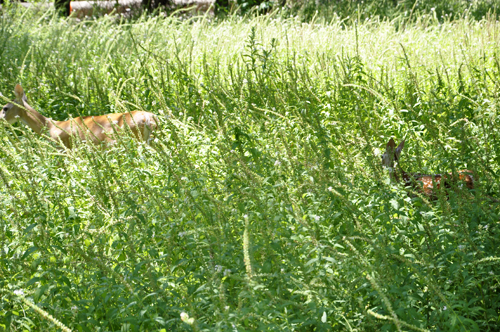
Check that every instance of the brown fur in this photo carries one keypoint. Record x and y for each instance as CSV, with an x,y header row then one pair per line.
x,y
95,129
424,183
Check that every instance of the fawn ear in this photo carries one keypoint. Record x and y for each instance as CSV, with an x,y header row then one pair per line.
x,y
399,149
390,145
19,92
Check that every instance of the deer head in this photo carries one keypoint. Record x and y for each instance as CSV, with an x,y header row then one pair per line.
x,y
12,112
392,153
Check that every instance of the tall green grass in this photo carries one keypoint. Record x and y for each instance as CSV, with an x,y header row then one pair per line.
x,y
261,204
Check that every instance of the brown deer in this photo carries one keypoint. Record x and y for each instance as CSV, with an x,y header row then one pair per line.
x,y
95,129
424,183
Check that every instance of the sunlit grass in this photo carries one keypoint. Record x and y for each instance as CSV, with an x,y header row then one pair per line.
x,y
261,204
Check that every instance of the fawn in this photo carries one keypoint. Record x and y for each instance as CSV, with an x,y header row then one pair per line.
x,y
424,183
95,129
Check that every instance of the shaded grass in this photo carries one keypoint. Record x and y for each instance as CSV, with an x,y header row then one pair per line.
x,y
262,204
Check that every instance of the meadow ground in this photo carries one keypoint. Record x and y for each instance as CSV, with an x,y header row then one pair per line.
x,y
262,203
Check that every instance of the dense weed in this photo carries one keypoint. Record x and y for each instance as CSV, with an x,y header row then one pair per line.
x,y
261,204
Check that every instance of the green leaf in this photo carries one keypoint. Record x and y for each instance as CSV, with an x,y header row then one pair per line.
x,y
29,252
32,281
39,292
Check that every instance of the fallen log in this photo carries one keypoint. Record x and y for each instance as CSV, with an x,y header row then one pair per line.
x,y
37,5
81,9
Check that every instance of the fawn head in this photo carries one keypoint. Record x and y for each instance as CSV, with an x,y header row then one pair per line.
x,y
392,153
11,112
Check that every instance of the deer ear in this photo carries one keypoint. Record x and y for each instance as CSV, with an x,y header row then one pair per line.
x,y
399,149
19,92
391,144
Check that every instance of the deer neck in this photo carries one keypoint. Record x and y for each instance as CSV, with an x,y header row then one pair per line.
x,y
405,176
397,174
33,119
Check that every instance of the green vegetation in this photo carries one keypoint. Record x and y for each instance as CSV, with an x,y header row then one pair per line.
x,y
262,204
386,9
